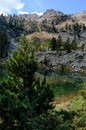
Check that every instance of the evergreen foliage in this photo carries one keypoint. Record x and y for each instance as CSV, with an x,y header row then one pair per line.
x,y
59,42
24,98
53,44
67,46
3,44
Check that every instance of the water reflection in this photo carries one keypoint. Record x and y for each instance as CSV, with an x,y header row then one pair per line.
x,y
63,83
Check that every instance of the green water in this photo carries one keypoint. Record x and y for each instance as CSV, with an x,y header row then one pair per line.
x,y
63,84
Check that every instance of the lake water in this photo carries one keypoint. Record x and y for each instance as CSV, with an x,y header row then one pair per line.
x,y
63,84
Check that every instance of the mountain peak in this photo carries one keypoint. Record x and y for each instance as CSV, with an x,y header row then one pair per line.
x,y
52,12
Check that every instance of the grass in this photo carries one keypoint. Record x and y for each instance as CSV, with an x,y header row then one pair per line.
x,y
72,103
77,103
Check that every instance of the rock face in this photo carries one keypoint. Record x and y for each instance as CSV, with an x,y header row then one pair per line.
x,y
80,17
51,15
32,17
74,61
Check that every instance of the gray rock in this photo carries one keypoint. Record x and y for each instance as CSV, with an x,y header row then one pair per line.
x,y
74,61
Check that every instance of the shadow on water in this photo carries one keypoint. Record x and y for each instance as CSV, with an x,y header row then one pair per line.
x,y
63,84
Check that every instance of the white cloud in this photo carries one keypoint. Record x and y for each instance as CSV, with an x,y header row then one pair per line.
x,y
7,6
38,13
2,12
22,12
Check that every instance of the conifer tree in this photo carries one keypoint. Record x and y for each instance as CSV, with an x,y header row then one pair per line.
x,y
53,44
59,42
24,97
67,45
3,44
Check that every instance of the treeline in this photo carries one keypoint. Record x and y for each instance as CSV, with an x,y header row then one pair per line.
x,y
28,26
71,43
51,27
75,29
68,45
57,44
72,29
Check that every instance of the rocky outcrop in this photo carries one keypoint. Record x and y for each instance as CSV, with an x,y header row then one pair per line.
x,y
74,61
80,17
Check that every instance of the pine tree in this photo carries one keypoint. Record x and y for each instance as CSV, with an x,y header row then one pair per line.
x,y
67,45
59,42
53,44
3,44
24,97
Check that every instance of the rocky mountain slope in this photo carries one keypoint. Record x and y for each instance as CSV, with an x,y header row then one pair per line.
x,y
80,17
71,62
51,21
51,24
56,23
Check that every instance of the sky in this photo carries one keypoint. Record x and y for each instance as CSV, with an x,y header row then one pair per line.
x,y
40,6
